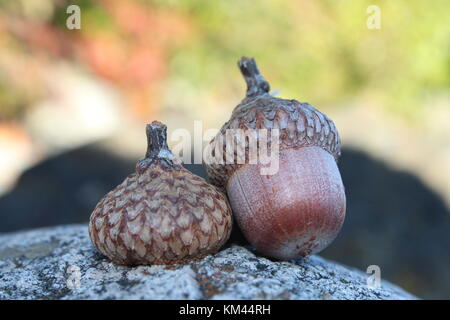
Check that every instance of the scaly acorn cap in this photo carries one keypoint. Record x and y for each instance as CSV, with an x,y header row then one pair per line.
x,y
299,123
161,213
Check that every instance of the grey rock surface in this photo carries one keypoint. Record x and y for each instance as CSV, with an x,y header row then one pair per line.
x,y
61,263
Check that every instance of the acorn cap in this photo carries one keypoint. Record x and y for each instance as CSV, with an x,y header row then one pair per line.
x,y
162,213
300,124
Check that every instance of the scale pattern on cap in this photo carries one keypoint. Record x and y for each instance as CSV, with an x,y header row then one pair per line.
x,y
299,124
160,215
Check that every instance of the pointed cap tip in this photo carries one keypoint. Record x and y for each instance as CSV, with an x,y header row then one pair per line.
x,y
256,84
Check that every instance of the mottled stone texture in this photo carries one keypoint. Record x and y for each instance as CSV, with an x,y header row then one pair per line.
x,y
61,263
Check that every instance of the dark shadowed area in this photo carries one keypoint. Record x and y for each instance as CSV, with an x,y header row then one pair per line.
x,y
393,220
396,222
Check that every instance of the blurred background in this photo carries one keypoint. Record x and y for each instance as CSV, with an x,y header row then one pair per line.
x,y
74,103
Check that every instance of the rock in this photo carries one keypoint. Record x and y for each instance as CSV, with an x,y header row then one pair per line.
x,y
61,263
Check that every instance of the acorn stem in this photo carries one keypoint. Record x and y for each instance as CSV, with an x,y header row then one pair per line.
x,y
256,84
156,139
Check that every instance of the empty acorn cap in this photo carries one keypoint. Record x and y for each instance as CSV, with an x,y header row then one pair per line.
x,y
162,213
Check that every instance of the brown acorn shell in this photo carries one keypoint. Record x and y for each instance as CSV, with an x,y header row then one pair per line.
x,y
299,124
299,209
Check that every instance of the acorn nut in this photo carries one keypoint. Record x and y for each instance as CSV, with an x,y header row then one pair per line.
x,y
161,213
300,209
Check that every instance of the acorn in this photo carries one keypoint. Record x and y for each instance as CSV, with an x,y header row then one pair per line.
x,y
299,209
161,213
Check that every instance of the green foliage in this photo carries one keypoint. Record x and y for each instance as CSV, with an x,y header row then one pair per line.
x,y
319,51
322,51
93,15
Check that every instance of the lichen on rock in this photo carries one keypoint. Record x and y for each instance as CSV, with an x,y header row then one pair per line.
x,y
61,263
